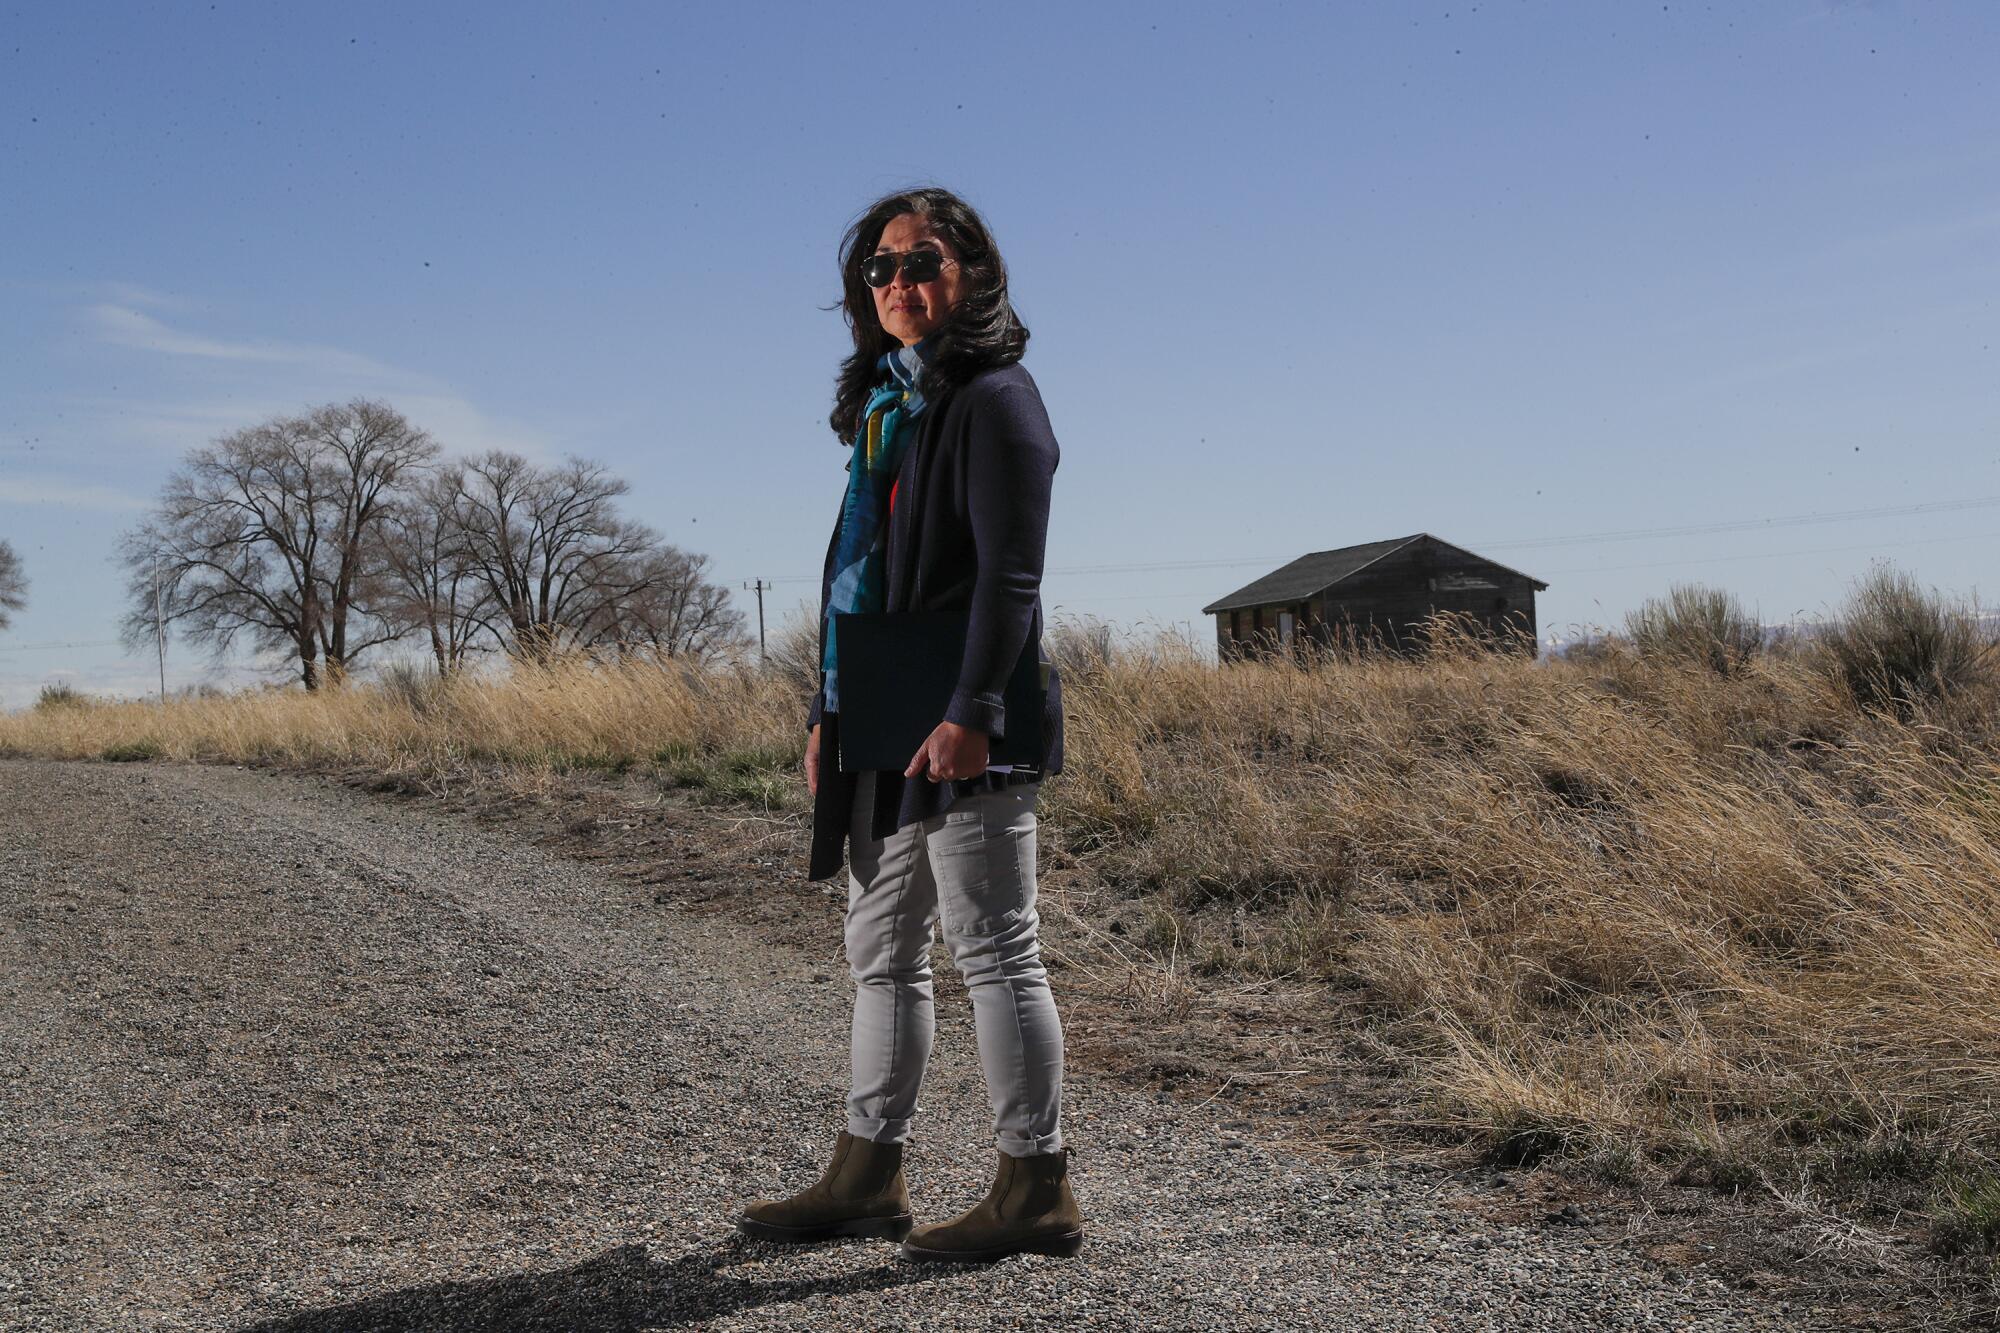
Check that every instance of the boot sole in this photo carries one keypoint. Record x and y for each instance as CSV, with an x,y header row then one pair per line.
x,y
893,1227
1064,1246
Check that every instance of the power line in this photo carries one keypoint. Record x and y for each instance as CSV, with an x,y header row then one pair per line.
x,y
1658,564
40,647
160,629
1746,525
1776,555
762,586
1624,534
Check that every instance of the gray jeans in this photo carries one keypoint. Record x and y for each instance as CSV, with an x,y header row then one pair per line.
x,y
974,865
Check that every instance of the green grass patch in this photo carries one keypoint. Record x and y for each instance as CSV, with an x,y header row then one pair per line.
x,y
772,791
767,777
1523,1140
1966,1216
596,761
1621,1164
761,759
1722,1171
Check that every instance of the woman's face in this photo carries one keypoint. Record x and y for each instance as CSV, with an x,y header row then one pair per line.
x,y
911,311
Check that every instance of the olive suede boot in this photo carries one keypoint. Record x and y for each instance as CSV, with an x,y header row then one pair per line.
x,y
1029,1209
860,1193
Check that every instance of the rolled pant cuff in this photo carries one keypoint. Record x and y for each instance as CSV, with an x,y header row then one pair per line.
x,y
881,1131
1029,1145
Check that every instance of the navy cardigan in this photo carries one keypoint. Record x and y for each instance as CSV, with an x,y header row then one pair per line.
x,y
968,530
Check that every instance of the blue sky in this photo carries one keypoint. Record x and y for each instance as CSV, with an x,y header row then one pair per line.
x,y
1298,275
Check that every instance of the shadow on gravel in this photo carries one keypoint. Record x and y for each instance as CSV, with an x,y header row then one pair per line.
x,y
620,1291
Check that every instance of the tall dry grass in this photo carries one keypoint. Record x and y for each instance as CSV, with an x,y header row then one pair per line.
x,y
1732,927
531,720
1629,908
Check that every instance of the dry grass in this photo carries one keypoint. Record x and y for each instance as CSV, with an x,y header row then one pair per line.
x,y
734,731
1733,927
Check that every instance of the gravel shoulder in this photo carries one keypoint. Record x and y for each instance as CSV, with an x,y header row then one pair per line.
x,y
283,1055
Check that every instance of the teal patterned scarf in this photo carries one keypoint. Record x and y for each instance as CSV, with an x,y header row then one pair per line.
x,y
860,554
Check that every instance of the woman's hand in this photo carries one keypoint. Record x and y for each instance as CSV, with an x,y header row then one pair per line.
x,y
950,752
812,761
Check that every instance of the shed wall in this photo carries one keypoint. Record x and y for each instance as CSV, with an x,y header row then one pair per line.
x,y
1390,599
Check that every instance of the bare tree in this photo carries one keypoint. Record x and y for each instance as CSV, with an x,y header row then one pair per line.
x,y
13,585
271,532
673,608
371,451
433,588
561,566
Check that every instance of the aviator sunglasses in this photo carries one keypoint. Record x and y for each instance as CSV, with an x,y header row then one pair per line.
x,y
879,269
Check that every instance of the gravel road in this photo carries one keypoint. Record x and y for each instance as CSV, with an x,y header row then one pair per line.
x,y
281,1055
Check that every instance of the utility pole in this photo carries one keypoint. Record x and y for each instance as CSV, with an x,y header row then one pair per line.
x,y
760,585
160,631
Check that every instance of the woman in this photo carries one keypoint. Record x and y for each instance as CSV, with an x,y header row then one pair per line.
x,y
946,508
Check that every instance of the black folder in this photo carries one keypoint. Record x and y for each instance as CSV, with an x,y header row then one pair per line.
x,y
898,670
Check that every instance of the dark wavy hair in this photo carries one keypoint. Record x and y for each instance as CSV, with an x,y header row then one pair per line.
x,y
981,331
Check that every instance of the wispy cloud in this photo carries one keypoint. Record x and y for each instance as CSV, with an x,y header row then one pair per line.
x,y
1954,162
1756,372
134,328
132,294
463,429
173,427
282,377
43,491
1914,239
1833,9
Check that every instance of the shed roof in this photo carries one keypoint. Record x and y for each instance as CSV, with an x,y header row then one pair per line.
x,y
1314,573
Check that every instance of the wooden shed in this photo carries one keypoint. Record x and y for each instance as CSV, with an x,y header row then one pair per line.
x,y
1375,592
